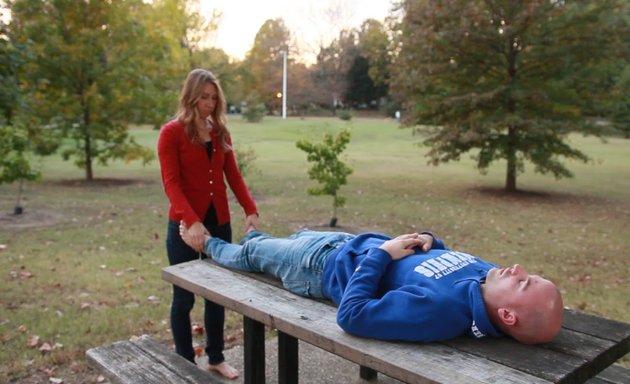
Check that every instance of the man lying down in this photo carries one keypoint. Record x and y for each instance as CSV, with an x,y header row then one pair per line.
x,y
408,288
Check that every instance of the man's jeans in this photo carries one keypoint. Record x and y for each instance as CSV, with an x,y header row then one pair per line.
x,y
298,260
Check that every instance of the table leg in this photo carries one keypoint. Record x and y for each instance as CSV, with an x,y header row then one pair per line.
x,y
254,351
367,373
287,359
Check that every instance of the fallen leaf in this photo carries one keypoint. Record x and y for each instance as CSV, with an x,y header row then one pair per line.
x,y
45,348
22,329
55,380
32,341
25,275
85,306
197,329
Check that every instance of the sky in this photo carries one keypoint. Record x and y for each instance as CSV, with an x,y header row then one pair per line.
x,y
310,21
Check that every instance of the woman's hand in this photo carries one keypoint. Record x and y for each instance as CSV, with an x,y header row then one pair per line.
x,y
251,222
197,235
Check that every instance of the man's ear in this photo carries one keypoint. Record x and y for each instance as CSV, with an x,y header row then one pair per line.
x,y
507,316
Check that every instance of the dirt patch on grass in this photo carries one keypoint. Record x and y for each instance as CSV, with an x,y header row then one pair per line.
x,y
30,219
37,217
534,197
100,182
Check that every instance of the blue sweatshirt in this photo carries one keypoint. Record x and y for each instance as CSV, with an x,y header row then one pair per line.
x,y
428,296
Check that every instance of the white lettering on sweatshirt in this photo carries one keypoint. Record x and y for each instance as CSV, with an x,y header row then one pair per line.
x,y
444,264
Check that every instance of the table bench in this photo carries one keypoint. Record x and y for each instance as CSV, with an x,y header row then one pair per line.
x,y
586,345
145,361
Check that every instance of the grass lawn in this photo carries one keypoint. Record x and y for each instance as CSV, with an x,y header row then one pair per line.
x,y
81,266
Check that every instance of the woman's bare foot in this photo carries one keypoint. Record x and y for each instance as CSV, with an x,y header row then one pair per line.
x,y
225,370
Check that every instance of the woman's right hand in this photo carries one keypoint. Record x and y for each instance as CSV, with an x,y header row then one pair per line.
x,y
197,234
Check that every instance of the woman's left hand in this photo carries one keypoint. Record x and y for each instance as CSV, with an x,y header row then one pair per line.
x,y
251,222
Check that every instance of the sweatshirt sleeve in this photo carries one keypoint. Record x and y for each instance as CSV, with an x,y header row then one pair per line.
x,y
409,313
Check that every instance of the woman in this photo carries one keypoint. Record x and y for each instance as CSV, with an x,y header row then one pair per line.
x,y
195,153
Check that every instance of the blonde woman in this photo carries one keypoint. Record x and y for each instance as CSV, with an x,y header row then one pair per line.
x,y
196,157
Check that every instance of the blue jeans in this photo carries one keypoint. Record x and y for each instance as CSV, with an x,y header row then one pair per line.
x,y
298,260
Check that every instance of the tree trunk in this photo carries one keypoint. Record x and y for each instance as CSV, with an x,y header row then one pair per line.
x,y
89,175
510,150
510,179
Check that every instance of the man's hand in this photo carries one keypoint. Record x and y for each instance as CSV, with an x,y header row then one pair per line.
x,y
402,246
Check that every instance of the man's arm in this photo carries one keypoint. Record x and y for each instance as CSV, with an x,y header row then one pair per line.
x,y
409,313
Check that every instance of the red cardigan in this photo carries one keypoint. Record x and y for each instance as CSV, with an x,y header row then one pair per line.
x,y
192,182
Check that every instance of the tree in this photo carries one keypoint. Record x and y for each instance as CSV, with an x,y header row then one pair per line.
x,y
621,104
264,61
498,76
376,48
333,65
327,169
11,58
361,89
15,161
88,56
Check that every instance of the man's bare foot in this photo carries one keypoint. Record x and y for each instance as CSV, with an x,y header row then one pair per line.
x,y
185,234
225,370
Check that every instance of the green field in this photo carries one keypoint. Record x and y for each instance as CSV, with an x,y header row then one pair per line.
x,y
82,266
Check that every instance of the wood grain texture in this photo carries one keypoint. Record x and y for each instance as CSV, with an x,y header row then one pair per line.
x,y
145,361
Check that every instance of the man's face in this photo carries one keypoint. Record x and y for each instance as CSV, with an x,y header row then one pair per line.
x,y
514,287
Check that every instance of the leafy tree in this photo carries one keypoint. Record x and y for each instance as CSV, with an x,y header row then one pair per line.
x,y
332,67
11,58
621,104
327,169
15,161
255,109
264,61
300,88
361,89
88,57
499,77
376,48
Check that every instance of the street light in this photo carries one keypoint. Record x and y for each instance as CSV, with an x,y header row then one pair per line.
x,y
284,84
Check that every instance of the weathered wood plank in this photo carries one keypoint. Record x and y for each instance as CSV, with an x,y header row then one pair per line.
x,y
615,374
314,322
145,361
552,365
617,332
613,330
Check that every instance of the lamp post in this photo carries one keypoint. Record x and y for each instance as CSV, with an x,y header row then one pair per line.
x,y
284,84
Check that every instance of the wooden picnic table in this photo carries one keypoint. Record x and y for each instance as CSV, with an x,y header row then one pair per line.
x,y
586,345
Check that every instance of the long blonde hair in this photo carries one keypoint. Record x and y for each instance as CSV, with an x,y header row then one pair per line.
x,y
187,112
